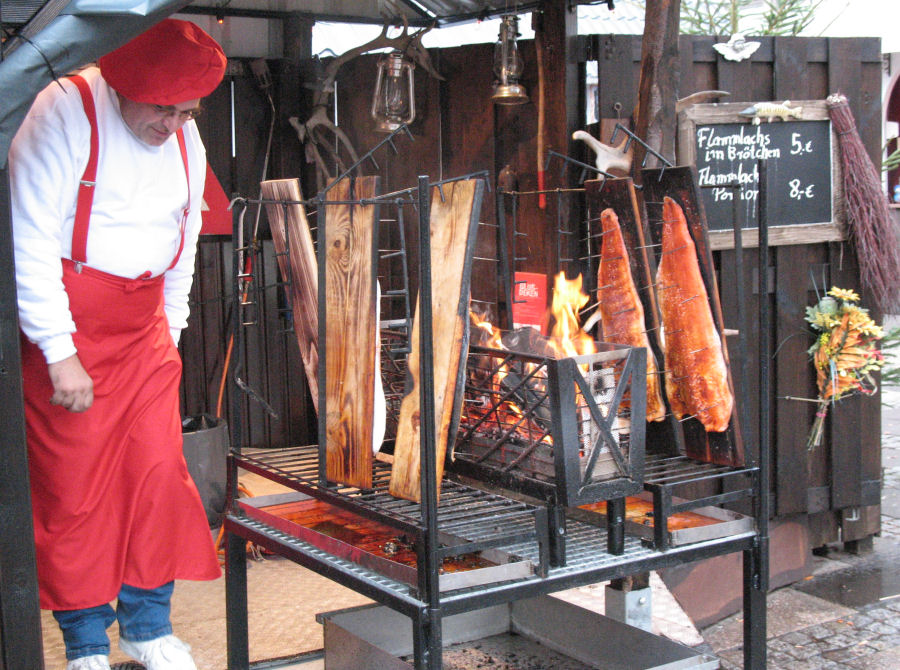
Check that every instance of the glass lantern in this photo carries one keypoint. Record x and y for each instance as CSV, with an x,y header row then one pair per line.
x,y
508,64
393,103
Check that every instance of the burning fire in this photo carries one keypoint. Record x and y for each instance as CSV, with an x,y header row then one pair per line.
x,y
567,337
507,407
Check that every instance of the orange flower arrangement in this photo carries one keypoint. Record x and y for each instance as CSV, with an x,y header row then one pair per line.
x,y
844,354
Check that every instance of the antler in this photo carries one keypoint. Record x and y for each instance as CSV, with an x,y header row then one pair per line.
x,y
408,44
312,131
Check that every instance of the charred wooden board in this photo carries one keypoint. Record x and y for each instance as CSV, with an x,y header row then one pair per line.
x,y
297,262
351,363
455,208
680,184
620,195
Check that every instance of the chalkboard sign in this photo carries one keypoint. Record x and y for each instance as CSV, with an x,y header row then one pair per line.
x,y
800,156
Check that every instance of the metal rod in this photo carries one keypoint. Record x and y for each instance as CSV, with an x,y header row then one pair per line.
x,y
585,166
428,472
756,560
634,138
387,140
322,372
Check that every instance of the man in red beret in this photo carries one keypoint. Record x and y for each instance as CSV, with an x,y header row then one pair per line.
x,y
107,175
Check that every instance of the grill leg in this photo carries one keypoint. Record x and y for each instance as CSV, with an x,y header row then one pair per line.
x,y
557,514
755,585
236,601
427,640
615,526
662,510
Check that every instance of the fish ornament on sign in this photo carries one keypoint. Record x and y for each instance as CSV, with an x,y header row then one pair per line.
x,y
771,111
737,48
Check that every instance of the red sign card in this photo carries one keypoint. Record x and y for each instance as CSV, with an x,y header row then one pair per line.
x,y
529,300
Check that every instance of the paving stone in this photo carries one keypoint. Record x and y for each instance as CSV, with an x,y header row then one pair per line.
x,y
882,628
805,652
840,641
890,640
819,632
879,645
847,653
731,659
797,638
885,660
777,659
861,620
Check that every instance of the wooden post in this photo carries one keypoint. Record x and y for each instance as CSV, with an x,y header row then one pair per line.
x,y
655,121
516,136
21,646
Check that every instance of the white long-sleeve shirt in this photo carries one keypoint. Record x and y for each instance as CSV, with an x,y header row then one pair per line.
x,y
139,198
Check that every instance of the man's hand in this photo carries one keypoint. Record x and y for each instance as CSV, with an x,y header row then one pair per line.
x,y
73,387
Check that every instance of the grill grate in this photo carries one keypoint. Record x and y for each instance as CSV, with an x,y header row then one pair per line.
x,y
470,515
679,470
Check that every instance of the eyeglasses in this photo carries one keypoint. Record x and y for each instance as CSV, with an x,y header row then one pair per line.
x,y
183,115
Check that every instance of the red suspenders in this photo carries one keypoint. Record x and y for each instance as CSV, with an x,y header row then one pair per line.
x,y
88,181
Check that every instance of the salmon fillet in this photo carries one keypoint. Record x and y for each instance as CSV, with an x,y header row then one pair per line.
x,y
621,311
696,376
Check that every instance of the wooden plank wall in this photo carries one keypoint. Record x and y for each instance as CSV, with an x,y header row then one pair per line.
x,y
458,131
843,473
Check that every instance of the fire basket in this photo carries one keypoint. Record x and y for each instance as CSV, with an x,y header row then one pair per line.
x,y
567,430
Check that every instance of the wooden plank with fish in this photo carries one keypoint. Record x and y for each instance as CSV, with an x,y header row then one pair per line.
x,y
697,376
626,300
455,208
351,329
297,262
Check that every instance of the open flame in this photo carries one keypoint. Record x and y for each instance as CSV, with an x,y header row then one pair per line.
x,y
528,381
507,421
567,336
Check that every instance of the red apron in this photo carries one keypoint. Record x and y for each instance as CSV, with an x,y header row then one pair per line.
x,y
112,499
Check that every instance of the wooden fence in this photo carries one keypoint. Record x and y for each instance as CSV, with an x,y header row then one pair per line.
x,y
458,131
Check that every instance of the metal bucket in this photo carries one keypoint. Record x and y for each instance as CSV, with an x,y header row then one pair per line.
x,y
206,448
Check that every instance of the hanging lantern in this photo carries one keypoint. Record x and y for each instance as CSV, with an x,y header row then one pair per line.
x,y
508,64
394,101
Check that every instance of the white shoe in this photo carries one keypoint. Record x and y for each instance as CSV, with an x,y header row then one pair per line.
x,y
163,653
94,662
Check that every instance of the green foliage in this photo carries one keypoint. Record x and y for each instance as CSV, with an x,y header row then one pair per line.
x,y
890,347
788,17
727,17
892,161
711,17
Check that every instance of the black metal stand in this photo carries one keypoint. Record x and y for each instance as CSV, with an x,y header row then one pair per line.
x,y
591,554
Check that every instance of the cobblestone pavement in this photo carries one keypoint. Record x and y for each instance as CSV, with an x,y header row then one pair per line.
x,y
807,632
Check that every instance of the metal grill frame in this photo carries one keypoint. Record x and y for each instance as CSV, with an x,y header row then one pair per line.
x,y
570,487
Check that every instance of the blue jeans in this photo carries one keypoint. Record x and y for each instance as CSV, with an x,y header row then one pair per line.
x,y
143,614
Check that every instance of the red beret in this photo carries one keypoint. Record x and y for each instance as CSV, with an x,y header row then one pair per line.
x,y
172,62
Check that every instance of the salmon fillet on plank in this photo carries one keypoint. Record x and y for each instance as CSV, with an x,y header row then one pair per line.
x,y
696,376
621,311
